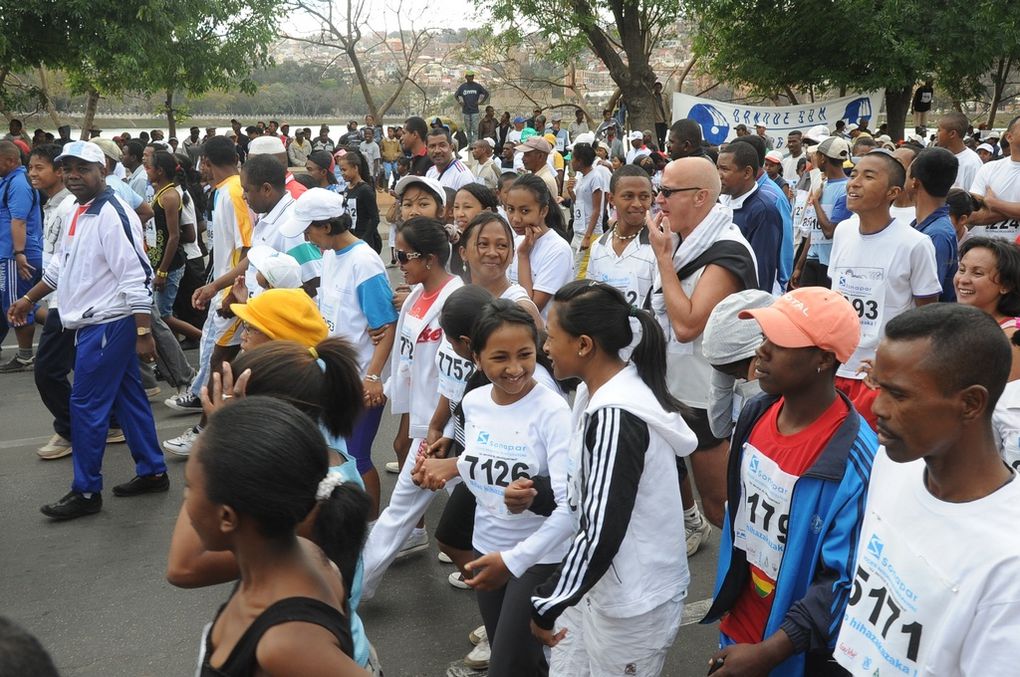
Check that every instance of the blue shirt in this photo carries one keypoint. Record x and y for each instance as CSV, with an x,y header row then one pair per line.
x,y
940,229
18,200
471,93
124,191
834,206
775,194
760,222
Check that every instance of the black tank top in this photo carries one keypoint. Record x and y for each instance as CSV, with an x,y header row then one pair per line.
x,y
242,661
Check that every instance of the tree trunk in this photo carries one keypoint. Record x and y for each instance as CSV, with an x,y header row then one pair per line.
x,y
47,101
91,104
897,105
171,117
363,82
999,81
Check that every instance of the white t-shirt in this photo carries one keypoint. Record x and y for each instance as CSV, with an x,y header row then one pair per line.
x,y
355,296
502,443
1006,424
970,163
632,272
937,585
455,176
1003,178
905,214
880,274
596,179
789,164
191,249
552,264
635,153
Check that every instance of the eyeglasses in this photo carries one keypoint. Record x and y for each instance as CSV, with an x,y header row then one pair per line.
x,y
404,257
668,192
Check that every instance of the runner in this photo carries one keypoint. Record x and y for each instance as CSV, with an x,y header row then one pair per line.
x,y
588,192
623,257
544,261
929,178
997,187
882,265
921,603
423,249
300,624
355,298
701,259
514,428
798,475
360,198
621,586
824,210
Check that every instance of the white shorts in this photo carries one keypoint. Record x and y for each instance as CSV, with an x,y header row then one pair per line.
x,y
597,645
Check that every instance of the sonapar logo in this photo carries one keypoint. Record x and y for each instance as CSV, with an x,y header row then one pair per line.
x,y
875,545
483,438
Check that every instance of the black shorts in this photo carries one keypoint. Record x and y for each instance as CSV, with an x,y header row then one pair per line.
x,y
697,419
457,525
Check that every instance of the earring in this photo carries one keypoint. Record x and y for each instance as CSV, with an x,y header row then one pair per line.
x,y
818,370
428,266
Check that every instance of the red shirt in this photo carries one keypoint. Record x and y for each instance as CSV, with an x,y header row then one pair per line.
x,y
794,455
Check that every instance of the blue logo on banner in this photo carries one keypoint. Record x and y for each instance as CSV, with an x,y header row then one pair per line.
x,y
857,110
713,124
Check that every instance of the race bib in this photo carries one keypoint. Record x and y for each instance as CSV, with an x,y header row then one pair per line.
x,y
813,228
492,459
763,516
1010,449
896,605
1007,230
454,371
864,289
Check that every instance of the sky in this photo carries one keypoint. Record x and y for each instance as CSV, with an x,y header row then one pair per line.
x,y
381,15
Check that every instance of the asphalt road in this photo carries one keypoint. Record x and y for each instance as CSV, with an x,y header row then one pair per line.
x,y
93,590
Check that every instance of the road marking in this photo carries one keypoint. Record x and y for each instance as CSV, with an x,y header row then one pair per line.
x,y
695,611
170,424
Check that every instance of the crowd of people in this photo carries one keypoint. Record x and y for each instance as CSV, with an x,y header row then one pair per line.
x,y
820,338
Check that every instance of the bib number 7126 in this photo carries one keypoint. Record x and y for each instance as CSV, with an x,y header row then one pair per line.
x,y
495,472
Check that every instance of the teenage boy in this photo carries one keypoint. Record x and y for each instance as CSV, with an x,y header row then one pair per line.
x,y
881,265
623,257
588,190
797,477
929,178
936,588
232,226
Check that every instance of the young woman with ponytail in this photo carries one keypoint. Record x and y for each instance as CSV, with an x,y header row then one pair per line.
x,y
167,255
323,383
618,595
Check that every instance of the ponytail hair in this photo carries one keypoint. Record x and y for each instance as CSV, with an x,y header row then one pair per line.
x,y
341,527
356,159
600,311
537,187
323,382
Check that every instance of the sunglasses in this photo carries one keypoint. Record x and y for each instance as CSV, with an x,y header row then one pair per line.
x,y
404,257
668,192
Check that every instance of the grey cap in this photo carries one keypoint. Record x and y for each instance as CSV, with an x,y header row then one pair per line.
x,y
726,338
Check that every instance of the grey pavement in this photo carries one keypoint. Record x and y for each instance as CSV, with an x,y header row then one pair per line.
x,y
93,590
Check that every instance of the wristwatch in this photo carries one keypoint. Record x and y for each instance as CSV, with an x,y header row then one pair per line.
x,y
143,331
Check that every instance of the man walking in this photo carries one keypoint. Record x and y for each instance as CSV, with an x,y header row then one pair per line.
x,y
105,296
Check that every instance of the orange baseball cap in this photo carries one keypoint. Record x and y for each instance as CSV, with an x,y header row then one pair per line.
x,y
810,317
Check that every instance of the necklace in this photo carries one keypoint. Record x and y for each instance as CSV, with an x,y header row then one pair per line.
x,y
623,238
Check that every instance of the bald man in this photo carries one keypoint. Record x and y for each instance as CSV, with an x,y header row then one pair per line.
x,y
712,261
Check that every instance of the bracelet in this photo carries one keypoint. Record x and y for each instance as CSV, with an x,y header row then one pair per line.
x,y
374,378
161,274
20,252
27,298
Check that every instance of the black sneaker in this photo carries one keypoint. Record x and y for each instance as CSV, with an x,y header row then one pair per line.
x,y
17,364
148,484
73,505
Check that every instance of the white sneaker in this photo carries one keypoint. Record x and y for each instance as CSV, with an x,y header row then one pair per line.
x,y
457,580
181,445
115,436
416,542
697,536
184,401
57,447
478,635
153,392
393,467
444,558
478,659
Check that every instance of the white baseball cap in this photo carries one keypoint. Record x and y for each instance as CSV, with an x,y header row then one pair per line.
x,y
987,147
585,137
282,271
818,133
315,204
432,184
83,150
635,135
266,145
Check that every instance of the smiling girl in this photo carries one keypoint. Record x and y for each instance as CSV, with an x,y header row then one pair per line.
x,y
544,261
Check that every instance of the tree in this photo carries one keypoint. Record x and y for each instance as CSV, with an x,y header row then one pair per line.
x,y
855,44
107,47
621,33
342,32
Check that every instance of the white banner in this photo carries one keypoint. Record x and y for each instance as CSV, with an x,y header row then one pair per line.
x,y
719,120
